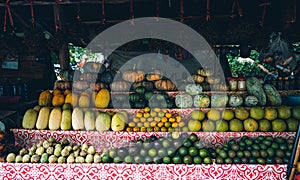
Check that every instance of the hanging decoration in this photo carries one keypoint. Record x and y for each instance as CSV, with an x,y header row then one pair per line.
x,y
236,3
293,18
131,12
157,10
265,4
181,11
56,16
32,12
103,12
78,10
207,10
7,12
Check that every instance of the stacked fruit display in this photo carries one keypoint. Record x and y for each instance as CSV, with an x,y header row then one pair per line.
x,y
157,119
263,119
175,148
259,150
51,151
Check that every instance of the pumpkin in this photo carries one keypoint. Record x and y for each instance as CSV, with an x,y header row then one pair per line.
x,y
147,84
140,90
94,67
120,86
235,100
140,104
134,97
98,86
154,76
102,99
45,98
80,85
184,101
193,89
196,78
163,96
58,100
213,80
201,101
165,85
148,95
133,75
170,102
107,77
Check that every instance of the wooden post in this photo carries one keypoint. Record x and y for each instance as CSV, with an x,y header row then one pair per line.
x,y
64,58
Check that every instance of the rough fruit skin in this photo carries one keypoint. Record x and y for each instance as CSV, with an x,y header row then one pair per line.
x,y
29,119
102,99
72,98
45,98
66,121
43,118
58,100
55,118
77,119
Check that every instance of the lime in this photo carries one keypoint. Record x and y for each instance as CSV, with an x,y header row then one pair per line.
x,y
128,159
106,159
197,160
171,152
177,159
187,159
175,135
203,153
112,153
166,143
117,159
152,152
187,143
182,151
148,159
198,145
207,160
167,160
162,152
137,159
193,137
193,151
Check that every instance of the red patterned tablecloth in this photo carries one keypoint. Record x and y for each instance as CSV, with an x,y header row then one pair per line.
x,y
25,138
140,171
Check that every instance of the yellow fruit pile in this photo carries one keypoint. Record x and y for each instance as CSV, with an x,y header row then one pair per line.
x,y
158,120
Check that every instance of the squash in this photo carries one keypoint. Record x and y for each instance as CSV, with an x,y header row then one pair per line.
x,y
201,101
235,100
195,79
80,85
66,120
134,75
72,99
103,122
94,67
84,100
254,88
140,104
219,100
107,77
118,122
273,95
154,76
55,118
134,97
184,101
193,89
58,100
170,102
102,99
250,101
165,85
120,86
29,119
140,90
45,98
89,120
147,84
77,119
148,95
43,118
98,86
162,96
